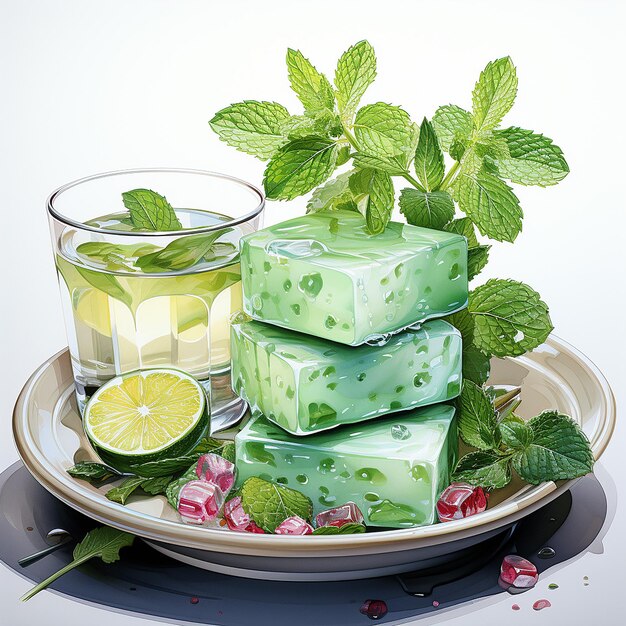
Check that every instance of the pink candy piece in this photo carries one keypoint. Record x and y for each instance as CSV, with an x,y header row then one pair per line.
x,y
237,519
518,572
199,502
460,500
294,526
217,470
345,514
541,604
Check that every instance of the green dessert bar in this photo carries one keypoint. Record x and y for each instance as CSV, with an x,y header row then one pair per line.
x,y
322,274
306,384
394,468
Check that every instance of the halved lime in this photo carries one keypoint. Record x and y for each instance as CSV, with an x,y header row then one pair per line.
x,y
146,416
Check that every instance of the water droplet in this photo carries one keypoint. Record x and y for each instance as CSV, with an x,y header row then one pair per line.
x,y
515,607
331,386
371,497
395,405
435,603
287,285
399,388
326,465
295,308
541,604
311,284
421,379
328,371
428,290
400,432
371,475
455,271
283,480
303,479
194,600
267,267
384,281
546,553
257,303
398,270
372,397
374,609
290,393
389,296
330,322
361,377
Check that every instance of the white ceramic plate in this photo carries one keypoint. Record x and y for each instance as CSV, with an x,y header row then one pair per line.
x,y
50,439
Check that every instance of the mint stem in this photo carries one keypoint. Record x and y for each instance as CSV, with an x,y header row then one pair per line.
x,y
48,581
450,176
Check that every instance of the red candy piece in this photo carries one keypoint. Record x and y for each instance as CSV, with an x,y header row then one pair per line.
x,y
374,609
346,514
518,572
237,519
460,500
217,470
294,526
199,502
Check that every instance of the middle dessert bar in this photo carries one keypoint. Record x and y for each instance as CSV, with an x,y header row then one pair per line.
x,y
305,384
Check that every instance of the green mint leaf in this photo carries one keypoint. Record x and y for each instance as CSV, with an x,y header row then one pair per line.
x,y
463,226
458,148
532,160
374,195
312,88
107,283
343,156
298,167
515,433
509,318
123,491
228,451
270,504
491,204
356,71
477,258
476,365
385,131
367,161
92,472
186,252
325,124
478,424
484,469
429,165
114,256
252,127
172,491
463,321
351,528
172,465
333,195
103,542
150,210
432,209
559,450
452,123
491,146
157,485
494,93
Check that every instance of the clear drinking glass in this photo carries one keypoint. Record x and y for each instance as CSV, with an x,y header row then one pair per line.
x,y
130,301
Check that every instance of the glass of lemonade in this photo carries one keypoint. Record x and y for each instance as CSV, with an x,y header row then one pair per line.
x,y
135,298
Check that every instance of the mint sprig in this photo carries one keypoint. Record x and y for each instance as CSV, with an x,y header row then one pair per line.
x,y
104,543
550,446
150,210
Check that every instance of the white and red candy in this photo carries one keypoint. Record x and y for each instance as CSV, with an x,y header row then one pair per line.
x,y
459,501
294,525
348,513
199,502
518,571
217,470
237,519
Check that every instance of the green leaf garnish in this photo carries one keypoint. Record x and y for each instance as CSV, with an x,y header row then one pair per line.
x,y
476,365
312,88
494,93
269,504
350,528
92,472
429,165
452,123
150,210
103,542
478,424
484,469
374,195
433,209
356,71
334,195
252,127
123,491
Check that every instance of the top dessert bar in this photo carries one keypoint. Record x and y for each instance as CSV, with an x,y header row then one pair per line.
x,y
322,274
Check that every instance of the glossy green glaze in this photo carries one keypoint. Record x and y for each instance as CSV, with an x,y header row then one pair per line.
x,y
323,275
394,468
306,384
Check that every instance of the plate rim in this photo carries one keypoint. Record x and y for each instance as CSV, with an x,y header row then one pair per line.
x,y
83,500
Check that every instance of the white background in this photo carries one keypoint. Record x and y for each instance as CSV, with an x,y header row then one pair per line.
x,y
90,86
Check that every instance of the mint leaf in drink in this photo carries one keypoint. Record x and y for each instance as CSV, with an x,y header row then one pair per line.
x,y
186,252
532,158
509,318
429,165
559,450
312,88
484,469
102,542
516,434
374,194
114,256
392,166
478,421
476,365
106,283
298,167
252,127
491,204
431,209
477,258
351,528
494,93
356,71
92,472
125,489
269,504
150,210
385,131
333,195
452,123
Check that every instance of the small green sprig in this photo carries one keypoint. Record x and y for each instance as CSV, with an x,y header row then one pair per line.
x,y
550,446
